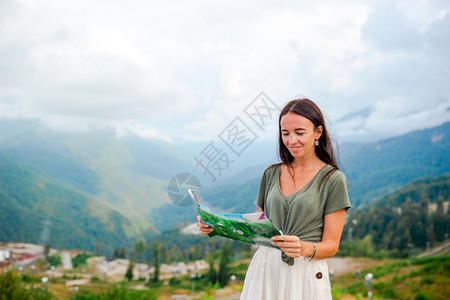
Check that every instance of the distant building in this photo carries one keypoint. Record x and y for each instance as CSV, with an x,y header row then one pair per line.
x,y
66,260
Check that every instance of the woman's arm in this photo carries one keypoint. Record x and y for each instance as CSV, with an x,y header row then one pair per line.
x,y
328,247
331,237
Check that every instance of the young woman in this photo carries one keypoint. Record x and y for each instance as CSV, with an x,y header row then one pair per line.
x,y
306,197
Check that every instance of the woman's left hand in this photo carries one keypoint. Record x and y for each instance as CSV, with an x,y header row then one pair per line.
x,y
289,244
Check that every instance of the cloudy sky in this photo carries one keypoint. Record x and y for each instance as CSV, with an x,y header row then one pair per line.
x,y
183,70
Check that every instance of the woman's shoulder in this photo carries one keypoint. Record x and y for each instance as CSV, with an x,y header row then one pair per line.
x,y
339,173
272,169
334,174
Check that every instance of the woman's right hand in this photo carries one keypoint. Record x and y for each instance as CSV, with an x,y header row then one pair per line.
x,y
204,228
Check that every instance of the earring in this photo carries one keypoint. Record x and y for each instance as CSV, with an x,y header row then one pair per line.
x,y
316,143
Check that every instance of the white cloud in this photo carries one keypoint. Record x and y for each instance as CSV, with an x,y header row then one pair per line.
x,y
184,70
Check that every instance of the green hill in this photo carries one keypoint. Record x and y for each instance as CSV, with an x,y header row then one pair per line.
x,y
98,184
380,168
428,189
427,278
413,216
27,198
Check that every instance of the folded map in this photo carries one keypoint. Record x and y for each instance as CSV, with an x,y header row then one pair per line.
x,y
252,228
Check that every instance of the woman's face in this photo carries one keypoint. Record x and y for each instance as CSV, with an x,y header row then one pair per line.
x,y
299,134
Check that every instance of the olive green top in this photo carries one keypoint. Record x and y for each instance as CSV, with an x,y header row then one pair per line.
x,y
302,213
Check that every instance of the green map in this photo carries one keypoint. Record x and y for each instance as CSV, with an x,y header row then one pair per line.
x,y
252,228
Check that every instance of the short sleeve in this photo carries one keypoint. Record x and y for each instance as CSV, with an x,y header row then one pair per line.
x,y
260,199
337,196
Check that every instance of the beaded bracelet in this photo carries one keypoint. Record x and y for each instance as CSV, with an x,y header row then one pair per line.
x,y
314,252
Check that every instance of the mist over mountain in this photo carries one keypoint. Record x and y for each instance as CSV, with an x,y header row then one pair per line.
x,y
29,198
379,168
95,178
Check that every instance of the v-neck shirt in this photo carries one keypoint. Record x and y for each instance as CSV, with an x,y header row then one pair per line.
x,y
302,213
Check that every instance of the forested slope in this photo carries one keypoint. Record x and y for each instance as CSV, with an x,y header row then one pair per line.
x,y
416,215
27,198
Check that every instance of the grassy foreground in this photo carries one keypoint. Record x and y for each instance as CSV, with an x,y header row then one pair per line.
x,y
427,278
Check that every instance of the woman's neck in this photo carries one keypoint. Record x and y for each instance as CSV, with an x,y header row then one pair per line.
x,y
311,163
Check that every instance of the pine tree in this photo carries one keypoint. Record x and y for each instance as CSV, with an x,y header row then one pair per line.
x,y
129,272
156,251
225,259
212,271
139,247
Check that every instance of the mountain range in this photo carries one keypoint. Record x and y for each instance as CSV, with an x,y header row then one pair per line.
x,y
96,188
103,183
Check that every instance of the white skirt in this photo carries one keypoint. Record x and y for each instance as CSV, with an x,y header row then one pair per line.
x,y
269,278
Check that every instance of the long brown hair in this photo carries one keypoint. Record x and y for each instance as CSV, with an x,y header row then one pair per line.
x,y
308,109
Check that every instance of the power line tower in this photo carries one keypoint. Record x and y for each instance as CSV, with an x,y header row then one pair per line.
x,y
45,234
